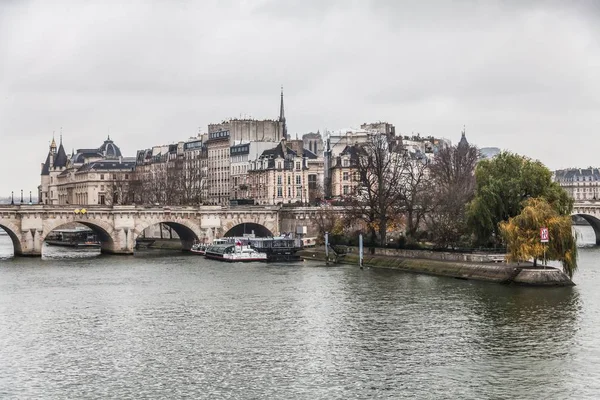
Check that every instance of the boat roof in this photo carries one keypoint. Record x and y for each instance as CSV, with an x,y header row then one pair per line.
x,y
75,230
221,246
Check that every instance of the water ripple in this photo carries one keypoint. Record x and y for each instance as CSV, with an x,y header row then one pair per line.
x,y
184,327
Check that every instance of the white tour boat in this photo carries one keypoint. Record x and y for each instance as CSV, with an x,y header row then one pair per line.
x,y
198,248
234,252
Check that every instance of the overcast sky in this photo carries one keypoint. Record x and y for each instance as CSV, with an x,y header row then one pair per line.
x,y
521,75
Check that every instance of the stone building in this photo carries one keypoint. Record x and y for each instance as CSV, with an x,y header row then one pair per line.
x,y
88,176
195,156
345,178
279,176
313,142
227,136
55,164
241,155
580,184
218,167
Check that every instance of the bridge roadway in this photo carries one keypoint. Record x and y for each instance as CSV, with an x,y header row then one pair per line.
x,y
118,227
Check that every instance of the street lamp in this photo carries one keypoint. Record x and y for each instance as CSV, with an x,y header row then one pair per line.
x,y
12,198
30,202
21,196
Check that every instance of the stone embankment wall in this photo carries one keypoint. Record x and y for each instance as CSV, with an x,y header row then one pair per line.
x,y
481,271
434,255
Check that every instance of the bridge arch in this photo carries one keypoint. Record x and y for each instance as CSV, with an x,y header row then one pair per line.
x,y
103,231
187,231
247,228
13,233
594,223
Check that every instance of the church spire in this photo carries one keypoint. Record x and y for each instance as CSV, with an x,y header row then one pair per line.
x,y
463,138
282,115
53,144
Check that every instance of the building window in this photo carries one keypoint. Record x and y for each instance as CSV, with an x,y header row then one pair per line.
x,y
298,165
298,180
279,179
312,182
289,192
289,180
346,176
102,176
346,190
345,162
279,192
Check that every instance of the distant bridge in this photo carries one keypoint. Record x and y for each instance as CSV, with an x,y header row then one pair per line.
x,y
118,227
590,211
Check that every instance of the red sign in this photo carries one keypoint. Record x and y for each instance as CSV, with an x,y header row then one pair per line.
x,y
544,236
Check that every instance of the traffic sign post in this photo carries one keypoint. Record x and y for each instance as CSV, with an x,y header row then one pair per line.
x,y
544,238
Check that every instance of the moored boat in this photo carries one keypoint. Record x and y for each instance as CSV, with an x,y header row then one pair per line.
x,y
73,238
279,248
234,252
198,248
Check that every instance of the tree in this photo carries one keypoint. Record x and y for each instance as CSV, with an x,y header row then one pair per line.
x,y
414,193
502,185
327,220
380,172
453,186
522,235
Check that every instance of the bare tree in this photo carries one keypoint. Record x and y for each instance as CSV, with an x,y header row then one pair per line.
x,y
453,177
327,220
380,173
414,193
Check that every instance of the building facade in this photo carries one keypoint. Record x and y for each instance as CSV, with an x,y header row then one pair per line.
x,y
279,176
345,178
88,176
241,155
580,184
229,151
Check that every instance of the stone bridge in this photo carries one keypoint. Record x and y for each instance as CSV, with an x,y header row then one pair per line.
x,y
590,211
118,227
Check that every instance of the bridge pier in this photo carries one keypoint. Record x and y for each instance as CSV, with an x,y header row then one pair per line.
x,y
122,242
29,244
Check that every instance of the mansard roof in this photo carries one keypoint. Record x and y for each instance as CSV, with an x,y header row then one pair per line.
x,y
309,154
107,165
279,151
576,173
353,152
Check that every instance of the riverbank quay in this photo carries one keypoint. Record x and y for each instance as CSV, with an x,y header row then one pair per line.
x,y
453,265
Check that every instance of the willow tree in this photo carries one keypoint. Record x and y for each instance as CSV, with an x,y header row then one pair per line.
x,y
522,235
503,184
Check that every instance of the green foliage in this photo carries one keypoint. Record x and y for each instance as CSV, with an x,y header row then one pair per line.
x,y
522,235
502,185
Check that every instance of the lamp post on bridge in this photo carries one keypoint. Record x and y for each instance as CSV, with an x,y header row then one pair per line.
x,y
12,198
21,196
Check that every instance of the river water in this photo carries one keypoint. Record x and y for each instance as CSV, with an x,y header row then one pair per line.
x,y
176,326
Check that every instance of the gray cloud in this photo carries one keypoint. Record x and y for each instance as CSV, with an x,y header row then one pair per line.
x,y
521,75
